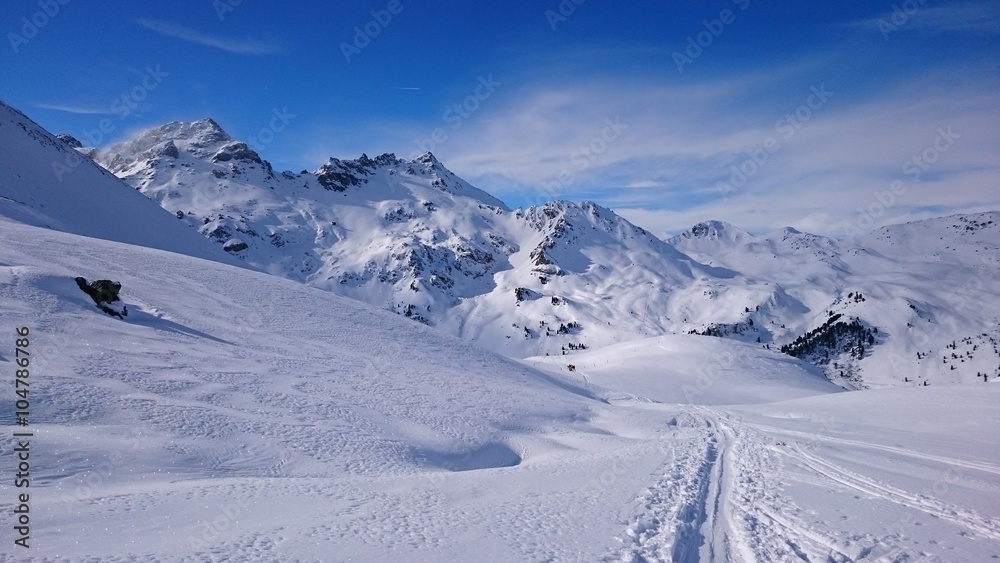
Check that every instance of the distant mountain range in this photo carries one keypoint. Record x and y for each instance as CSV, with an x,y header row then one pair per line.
x,y
908,304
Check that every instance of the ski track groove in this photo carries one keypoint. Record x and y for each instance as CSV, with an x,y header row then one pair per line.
x,y
764,527
720,484
716,501
967,518
674,508
965,464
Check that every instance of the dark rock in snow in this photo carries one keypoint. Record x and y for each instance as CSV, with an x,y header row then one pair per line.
x,y
104,293
70,140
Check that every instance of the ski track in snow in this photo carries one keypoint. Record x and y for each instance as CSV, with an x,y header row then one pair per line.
x,y
949,461
977,523
716,501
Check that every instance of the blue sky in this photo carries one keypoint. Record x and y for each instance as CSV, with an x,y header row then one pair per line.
x,y
829,117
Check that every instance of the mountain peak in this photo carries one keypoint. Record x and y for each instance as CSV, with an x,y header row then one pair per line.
x,y
207,122
427,158
202,138
713,230
205,130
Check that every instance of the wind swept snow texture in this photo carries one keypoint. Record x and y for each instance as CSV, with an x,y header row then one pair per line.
x,y
307,423
693,369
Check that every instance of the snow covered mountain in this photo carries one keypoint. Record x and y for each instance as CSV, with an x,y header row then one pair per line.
x,y
924,294
413,238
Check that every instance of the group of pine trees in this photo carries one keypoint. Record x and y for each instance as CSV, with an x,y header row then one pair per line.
x,y
723,330
832,338
960,357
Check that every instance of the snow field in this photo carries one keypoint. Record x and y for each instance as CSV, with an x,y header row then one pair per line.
x,y
239,416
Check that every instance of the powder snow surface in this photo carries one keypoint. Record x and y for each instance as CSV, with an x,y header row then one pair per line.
x,y
236,416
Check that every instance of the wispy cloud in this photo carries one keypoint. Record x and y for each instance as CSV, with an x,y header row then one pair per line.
x,y
548,138
681,142
77,109
958,17
239,46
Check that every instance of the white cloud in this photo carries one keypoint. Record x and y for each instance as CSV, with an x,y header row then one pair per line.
x,y
73,108
955,17
680,142
239,46
681,138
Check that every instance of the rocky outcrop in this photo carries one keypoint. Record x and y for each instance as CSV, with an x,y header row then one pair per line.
x,y
70,140
105,296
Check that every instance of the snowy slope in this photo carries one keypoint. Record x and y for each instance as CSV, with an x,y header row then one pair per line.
x,y
235,393
694,369
44,182
239,416
888,475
